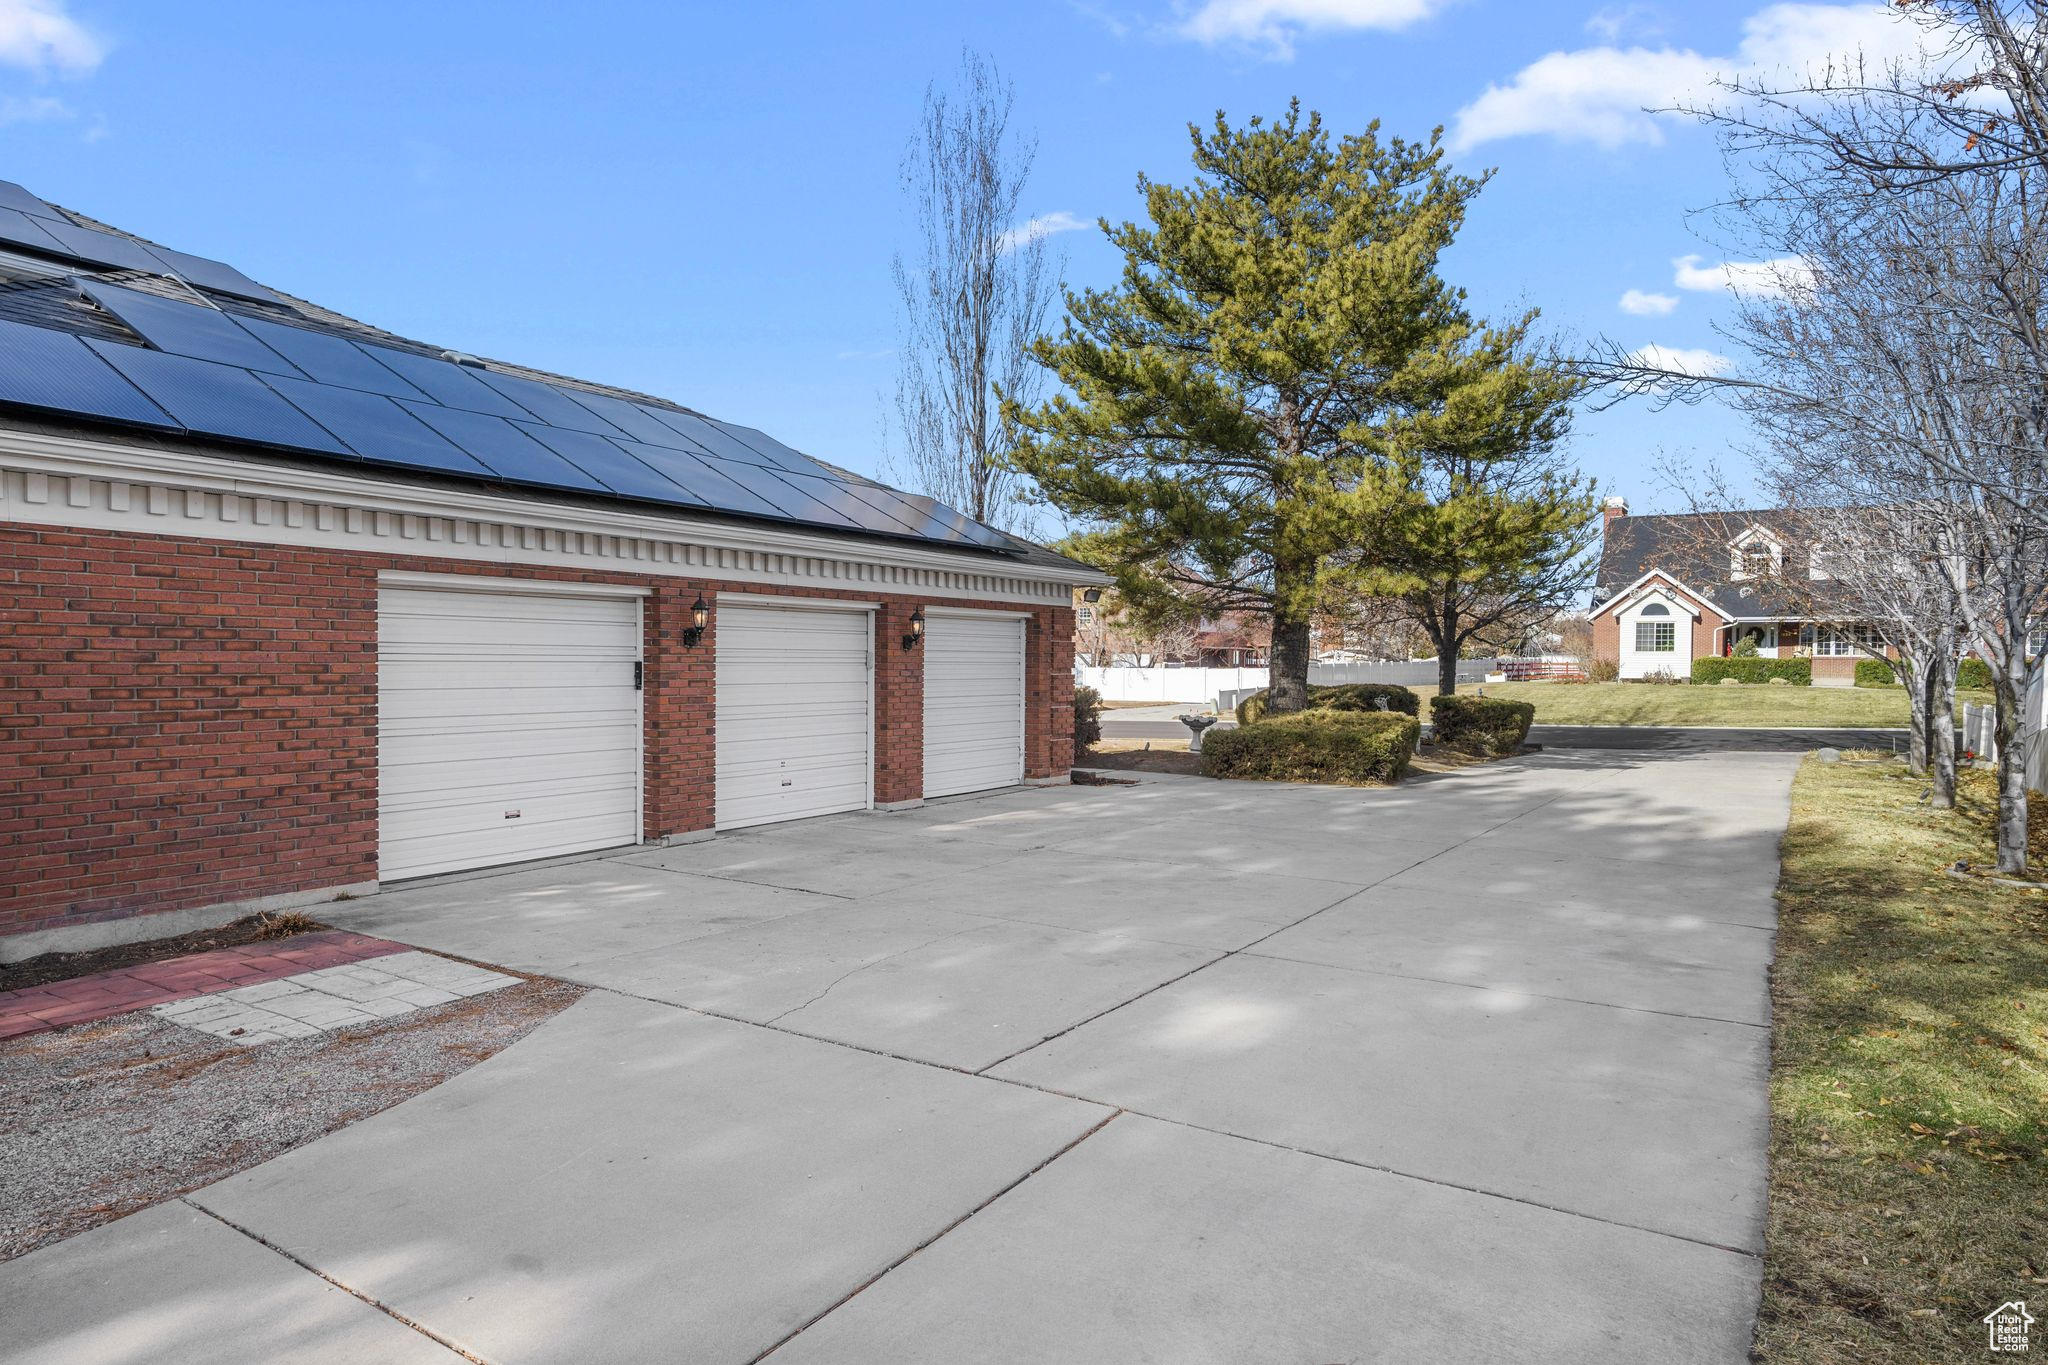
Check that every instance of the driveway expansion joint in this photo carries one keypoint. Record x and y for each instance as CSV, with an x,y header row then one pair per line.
x,y
386,1309
921,1247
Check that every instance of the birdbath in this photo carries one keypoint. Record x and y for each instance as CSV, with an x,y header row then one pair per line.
x,y
1196,724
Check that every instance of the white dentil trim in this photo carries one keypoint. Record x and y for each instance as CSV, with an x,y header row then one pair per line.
x,y
50,480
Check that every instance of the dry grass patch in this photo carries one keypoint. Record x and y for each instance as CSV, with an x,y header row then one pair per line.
x,y
1909,1085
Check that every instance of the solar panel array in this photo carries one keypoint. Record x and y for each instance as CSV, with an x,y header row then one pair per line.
x,y
27,221
217,374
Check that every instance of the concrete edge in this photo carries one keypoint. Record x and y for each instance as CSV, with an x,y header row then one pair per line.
x,y
78,938
888,806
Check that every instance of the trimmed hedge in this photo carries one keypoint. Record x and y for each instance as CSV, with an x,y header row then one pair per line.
x,y
1798,672
1366,697
1087,717
1973,674
1875,673
1487,724
1351,747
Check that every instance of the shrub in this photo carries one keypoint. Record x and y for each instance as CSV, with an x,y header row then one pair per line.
x,y
1351,747
1797,672
1875,673
1974,674
1366,697
1745,648
1087,716
1486,724
1602,670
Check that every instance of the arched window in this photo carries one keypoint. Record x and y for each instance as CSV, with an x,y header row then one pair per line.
x,y
1656,609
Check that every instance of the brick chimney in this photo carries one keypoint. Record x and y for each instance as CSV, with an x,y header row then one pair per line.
x,y
1614,507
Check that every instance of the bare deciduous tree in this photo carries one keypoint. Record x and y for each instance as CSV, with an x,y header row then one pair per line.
x,y
1899,371
975,293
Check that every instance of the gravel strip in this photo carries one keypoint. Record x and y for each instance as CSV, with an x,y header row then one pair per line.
x,y
100,1120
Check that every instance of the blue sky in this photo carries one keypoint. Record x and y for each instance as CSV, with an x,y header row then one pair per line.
x,y
701,201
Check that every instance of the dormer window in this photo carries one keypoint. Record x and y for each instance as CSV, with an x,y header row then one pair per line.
x,y
1756,553
1819,563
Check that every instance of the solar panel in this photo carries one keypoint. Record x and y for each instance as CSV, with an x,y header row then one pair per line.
x,y
608,462
13,196
19,229
959,524
504,449
44,369
840,498
771,451
709,484
375,427
328,359
546,402
100,248
708,437
627,417
218,400
213,274
191,329
444,381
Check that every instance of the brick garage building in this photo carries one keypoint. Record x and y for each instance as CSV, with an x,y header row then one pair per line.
x,y
280,626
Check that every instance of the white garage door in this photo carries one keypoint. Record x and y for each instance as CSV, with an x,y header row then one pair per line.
x,y
508,727
793,712
973,703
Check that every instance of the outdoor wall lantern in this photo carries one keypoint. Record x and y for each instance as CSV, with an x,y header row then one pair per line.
x,y
1091,595
699,615
916,628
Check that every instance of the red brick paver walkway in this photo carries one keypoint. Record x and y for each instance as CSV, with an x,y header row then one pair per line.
x,y
83,999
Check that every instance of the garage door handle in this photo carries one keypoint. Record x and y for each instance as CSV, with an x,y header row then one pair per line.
x,y
639,676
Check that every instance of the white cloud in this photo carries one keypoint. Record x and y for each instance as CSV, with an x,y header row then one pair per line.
x,y
32,109
883,354
1604,95
39,36
1275,25
1762,279
1616,22
1045,225
1682,360
1645,305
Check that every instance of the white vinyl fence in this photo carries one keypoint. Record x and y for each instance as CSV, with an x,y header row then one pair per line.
x,y
1980,733
1123,683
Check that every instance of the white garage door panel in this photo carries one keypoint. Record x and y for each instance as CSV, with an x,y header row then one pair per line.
x,y
794,731
508,728
973,704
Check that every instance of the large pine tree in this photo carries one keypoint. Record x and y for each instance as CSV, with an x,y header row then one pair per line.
x,y
1276,321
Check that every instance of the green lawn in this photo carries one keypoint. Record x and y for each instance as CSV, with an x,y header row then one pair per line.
x,y
1909,1079
1684,704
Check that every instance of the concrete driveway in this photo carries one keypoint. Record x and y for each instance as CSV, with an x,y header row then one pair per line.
x,y
1179,1072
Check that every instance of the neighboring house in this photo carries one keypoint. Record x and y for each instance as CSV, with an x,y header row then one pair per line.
x,y
1672,589
1236,640
295,606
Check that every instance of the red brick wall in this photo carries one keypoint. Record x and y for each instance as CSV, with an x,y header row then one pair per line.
x,y
1705,642
1607,637
185,722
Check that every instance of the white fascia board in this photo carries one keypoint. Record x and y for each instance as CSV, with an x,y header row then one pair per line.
x,y
1665,581
45,453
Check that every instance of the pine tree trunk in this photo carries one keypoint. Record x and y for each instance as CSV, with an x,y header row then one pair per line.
x,y
1446,634
1287,688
